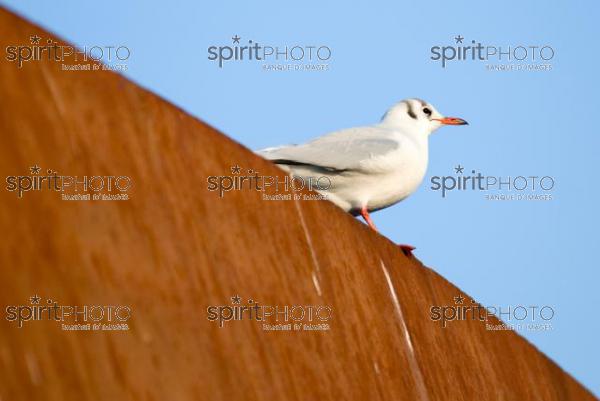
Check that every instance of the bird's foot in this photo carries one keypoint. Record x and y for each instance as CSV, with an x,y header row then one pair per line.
x,y
407,249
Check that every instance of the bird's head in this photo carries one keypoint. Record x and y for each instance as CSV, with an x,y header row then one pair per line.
x,y
416,115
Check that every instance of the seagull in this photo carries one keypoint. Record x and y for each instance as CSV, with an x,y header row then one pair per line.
x,y
368,168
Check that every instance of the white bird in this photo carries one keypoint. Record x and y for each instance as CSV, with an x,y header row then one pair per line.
x,y
368,168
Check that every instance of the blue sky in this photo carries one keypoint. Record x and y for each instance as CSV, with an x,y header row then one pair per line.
x,y
521,123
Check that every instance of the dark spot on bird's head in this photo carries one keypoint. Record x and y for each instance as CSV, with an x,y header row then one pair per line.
x,y
410,110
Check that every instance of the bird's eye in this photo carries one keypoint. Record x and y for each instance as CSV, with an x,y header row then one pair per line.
x,y
427,111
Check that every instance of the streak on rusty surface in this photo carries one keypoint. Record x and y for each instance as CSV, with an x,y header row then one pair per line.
x,y
174,248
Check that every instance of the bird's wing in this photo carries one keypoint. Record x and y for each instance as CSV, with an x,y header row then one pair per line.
x,y
349,149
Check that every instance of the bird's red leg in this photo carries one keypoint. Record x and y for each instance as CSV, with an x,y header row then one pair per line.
x,y
365,214
406,249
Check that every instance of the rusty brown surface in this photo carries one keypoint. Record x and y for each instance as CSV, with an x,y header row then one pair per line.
x,y
174,248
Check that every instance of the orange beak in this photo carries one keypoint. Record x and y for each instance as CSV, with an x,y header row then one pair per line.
x,y
452,121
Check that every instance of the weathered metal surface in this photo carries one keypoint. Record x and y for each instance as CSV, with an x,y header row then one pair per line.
x,y
174,248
